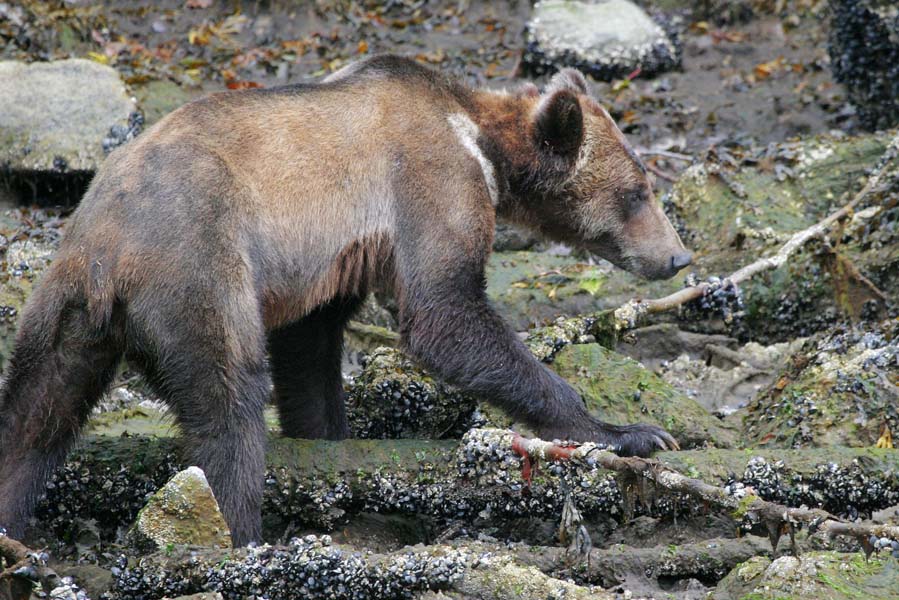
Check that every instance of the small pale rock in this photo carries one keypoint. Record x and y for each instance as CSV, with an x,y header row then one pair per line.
x,y
183,512
55,115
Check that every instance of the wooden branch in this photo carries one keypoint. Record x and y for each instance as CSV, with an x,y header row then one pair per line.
x,y
628,315
659,172
665,154
770,513
19,556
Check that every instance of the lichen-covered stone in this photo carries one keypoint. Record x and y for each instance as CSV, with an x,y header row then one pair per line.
x,y
394,398
56,114
183,513
813,576
838,389
607,39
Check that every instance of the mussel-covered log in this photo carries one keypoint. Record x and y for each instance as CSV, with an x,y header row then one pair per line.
x,y
322,484
312,567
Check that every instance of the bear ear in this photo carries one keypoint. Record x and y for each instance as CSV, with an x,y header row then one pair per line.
x,y
569,79
559,123
528,90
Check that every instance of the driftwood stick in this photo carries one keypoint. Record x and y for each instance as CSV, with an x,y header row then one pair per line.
x,y
666,477
632,312
665,154
18,556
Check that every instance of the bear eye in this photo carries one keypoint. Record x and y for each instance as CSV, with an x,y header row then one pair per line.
x,y
637,197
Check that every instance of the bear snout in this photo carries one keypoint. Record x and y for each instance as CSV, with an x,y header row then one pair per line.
x,y
679,261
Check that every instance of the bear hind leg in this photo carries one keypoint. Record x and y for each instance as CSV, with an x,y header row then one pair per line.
x,y
306,359
60,367
213,374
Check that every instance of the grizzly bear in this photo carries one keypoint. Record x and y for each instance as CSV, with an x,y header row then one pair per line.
x,y
223,251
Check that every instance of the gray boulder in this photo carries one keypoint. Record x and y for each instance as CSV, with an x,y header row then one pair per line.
x,y
605,38
55,116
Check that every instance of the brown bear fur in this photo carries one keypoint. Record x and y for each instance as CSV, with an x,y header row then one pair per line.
x,y
225,248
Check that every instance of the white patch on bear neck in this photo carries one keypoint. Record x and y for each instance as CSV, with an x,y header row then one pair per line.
x,y
467,131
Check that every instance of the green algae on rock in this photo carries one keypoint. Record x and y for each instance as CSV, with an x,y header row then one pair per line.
x,y
813,576
620,390
532,288
733,217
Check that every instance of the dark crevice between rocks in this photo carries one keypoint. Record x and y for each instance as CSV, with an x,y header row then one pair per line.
x,y
62,188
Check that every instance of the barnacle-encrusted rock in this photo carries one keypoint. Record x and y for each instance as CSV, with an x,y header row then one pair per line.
x,y
722,380
606,38
844,481
309,567
183,512
840,388
864,56
545,342
735,216
393,398
813,576
57,114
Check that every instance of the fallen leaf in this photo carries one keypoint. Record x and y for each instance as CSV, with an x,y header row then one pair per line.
x,y
242,85
97,57
198,3
886,438
765,70
198,37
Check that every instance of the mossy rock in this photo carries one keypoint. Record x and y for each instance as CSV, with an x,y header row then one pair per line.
x,y
620,390
133,420
839,389
157,98
813,576
732,217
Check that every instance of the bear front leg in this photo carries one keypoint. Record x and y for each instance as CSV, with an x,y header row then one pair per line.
x,y
452,329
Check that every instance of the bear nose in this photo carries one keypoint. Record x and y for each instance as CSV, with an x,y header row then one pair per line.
x,y
679,261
